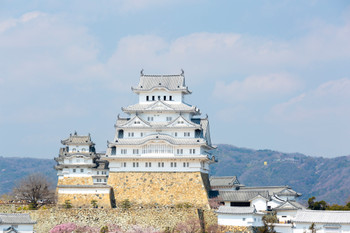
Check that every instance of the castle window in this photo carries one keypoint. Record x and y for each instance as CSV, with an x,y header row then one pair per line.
x,y
174,164
169,118
187,134
164,97
192,151
170,98
74,150
171,164
147,98
104,172
131,134
135,164
141,134
150,118
175,134
124,164
153,98
135,151
114,150
158,97
123,151
160,164
83,150
98,172
179,151
186,164
148,164
105,180
81,170
74,170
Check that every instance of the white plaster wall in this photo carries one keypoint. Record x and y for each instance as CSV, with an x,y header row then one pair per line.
x,y
237,220
78,148
194,166
259,203
290,214
22,228
304,227
83,190
176,96
283,228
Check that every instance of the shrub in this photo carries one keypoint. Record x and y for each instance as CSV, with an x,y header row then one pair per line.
x,y
94,204
126,204
67,204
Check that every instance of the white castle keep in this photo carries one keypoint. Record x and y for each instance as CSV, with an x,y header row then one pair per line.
x,y
160,152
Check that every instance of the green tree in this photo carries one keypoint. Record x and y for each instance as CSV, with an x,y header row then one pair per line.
x,y
268,221
317,205
67,204
94,203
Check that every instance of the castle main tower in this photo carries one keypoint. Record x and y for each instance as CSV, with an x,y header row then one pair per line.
x,y
160,152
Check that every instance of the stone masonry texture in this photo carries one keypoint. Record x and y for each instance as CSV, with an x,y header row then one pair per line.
x,y
162,188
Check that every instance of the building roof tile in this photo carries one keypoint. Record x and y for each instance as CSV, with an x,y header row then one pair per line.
x,y
16,219
322,216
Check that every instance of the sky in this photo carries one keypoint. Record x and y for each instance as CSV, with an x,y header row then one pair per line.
x,y
269,74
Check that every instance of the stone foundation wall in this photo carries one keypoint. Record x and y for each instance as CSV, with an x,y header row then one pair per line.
x,y
76,181
161,218
163,188
84,200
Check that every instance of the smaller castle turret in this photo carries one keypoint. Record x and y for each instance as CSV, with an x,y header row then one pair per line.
x,y
81,172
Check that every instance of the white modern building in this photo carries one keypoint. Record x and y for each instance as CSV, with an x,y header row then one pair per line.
x,y
16,223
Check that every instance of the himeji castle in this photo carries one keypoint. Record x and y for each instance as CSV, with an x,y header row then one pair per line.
x,y
160,153
161,149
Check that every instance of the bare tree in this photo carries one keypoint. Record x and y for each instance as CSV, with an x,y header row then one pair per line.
x,y
35,189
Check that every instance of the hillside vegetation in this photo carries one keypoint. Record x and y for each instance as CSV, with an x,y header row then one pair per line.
x,y
327,179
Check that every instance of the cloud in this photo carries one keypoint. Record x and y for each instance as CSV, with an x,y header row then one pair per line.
x,y
328,100
256,88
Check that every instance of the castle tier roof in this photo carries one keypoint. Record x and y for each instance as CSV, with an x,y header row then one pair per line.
x,y
322,216
289,205
236,210
16,219
161,106
159,137
241,196
220,181
76,139
168,82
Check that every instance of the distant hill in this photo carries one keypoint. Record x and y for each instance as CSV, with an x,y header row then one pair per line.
x,y
14,169
327,179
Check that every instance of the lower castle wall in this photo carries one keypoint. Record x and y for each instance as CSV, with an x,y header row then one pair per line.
x,y
75,181
159,218
163,188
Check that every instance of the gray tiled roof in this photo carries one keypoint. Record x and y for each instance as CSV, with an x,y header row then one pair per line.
x,y
169,82
223,181
241,196
165,137
76,139
236,210
322,216
289,205
278,190
160,105
16,219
